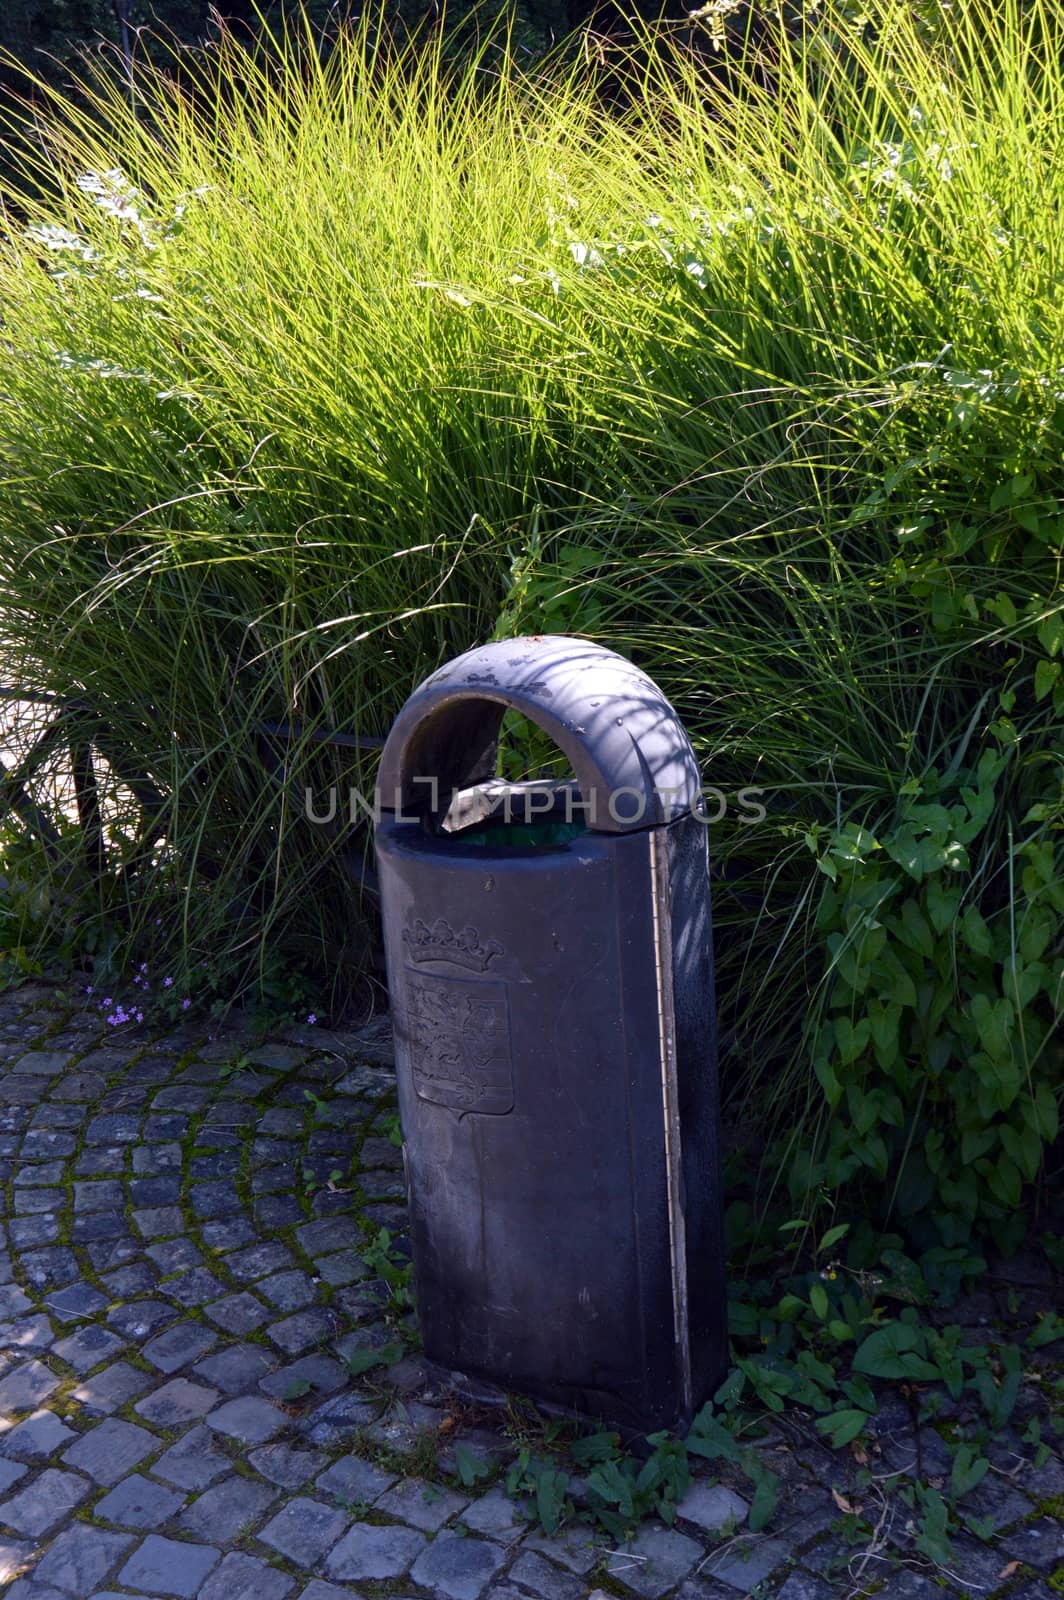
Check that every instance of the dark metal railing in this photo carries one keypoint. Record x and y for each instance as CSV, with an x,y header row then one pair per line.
x,y
83,731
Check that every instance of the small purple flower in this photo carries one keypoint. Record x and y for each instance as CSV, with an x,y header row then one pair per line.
x,y
105,1003
88,988
185,1003
312,1019
140,1016
168,983
143,967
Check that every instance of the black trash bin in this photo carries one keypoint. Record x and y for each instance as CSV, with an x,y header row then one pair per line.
x,y
549,956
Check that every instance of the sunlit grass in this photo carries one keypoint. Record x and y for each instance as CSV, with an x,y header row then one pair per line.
x,y
314,376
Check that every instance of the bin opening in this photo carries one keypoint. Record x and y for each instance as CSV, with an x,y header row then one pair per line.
x,y
536,814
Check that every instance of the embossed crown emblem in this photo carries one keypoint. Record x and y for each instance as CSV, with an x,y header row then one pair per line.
x,y
442,943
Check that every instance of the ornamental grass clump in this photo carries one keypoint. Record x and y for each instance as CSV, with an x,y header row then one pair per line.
x,y
314,373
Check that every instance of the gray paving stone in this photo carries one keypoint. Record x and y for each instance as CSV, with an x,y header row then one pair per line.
x,y
369,1552
228,1235
99,1194
116,1129
43,1063
13,1302
248,1419
193,1462
277,1057
655,1561
260,1261
44,1144
157,1196
141,1319
712,1507
227,1509
244,1577
1040,1544
214,1199
974,1566
27,1334
457,1567
193,1288
288,1291
288,1468
88,1347
25,1387
126,1283
354,1482
38,1436
177,1403
109,1254
573,1548
807,1586
33,1202
324,1376
157,1158
337,1419
236,1370
14,1556
340,1269
216,1164
996,1503
180,1097
744,1563
158,1222
81,1558
496,1515
277,1211
909,1585
53,1266
172,1125
76,1302
544,1579
169,1567
110,1450
238,1313
331,1233
97,1225
26,1589
138,1502
179,1346
268,1180
105,1391
317,1590
28,1177
25,1232
297,1333
10,1473
45,1502
304,1530
421,1504
175,1255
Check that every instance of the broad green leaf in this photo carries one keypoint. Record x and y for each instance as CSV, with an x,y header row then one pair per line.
x,y
832,1237
842,1426
894,1351
763,1503
969,1470
976,934
942,904
1046,675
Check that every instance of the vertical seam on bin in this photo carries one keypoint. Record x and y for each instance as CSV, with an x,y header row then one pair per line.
x,y
659,889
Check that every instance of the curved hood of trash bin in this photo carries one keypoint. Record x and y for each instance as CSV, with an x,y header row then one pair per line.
x,y
630,755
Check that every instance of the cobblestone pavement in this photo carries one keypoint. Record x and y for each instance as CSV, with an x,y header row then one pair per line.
x,y
181,1290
